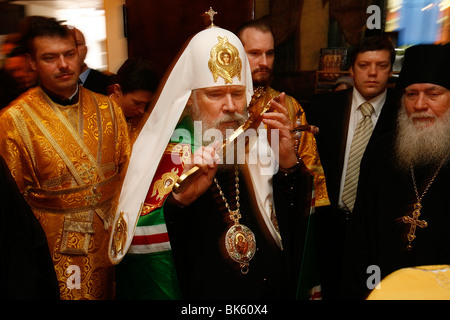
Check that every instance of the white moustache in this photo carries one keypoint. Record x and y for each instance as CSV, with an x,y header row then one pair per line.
x,y
421,115
238,118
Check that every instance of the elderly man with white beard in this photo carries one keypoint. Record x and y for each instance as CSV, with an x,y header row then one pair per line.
x,y
231,233
402,214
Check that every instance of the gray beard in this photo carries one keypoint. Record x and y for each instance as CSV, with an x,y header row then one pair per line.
x,y
418,145
228,162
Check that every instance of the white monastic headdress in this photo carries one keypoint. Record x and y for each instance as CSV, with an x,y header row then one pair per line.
x,y
213,57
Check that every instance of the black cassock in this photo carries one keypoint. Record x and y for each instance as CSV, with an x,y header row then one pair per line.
x,y
378,235
26,268
197,233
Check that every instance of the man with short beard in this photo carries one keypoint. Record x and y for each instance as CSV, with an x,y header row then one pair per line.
x,y
402,211
259,44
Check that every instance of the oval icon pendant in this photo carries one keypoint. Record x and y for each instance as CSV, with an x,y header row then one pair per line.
x,y
240,243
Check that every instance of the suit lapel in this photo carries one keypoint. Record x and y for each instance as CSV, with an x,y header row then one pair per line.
x,y
343,134
388,116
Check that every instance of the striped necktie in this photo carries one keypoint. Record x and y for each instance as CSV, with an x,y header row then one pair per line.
x,y
361,137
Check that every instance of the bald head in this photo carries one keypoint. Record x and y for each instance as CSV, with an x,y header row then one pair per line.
x,y
82,48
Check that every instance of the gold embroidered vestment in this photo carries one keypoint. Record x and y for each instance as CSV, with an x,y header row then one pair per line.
x,y
307,150
67,161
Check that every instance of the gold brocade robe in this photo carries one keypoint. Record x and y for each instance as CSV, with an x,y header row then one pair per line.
x,y
307,150
67,161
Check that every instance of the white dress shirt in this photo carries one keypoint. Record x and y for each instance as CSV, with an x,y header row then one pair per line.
x,y
83,76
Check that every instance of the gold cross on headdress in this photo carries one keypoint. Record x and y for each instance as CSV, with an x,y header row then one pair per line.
x,y
211,13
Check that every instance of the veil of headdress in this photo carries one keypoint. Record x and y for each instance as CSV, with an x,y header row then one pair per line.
x,y
199,65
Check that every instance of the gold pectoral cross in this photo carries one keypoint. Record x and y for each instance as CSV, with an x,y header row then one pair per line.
x,y
415,222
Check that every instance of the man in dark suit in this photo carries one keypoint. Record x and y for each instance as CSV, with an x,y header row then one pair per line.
x,y
338,115
91,79
401,216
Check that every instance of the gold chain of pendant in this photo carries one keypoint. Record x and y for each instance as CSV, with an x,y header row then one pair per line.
x,y
234,215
